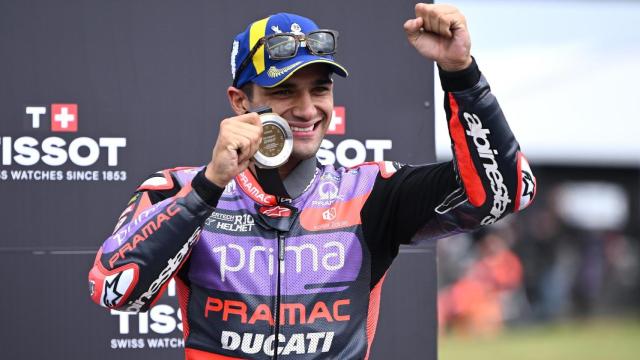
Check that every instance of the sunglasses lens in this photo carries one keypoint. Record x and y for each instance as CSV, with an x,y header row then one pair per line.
x,y
281,47
321,43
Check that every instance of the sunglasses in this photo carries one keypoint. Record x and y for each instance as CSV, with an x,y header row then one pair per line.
x,y
285,46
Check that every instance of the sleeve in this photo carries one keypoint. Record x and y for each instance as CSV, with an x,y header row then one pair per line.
x,y
487,179
152,239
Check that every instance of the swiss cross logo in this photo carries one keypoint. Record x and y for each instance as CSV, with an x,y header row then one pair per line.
x,y
338,121
64,117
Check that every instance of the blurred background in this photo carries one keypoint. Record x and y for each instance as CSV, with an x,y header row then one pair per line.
x,y
562,280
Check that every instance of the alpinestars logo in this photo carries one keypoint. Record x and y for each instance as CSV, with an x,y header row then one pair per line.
x,y
115,286
275,211
527,184
487,157
111,294
19,155
165,275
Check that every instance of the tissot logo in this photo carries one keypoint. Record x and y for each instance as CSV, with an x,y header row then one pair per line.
x,y
64,117
159,328
29,157
349,152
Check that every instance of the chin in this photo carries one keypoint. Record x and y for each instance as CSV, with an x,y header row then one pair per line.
x,y
303,154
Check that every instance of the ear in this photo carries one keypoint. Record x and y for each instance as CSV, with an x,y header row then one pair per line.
x,y
238,100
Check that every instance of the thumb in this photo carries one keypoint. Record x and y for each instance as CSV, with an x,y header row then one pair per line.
x,y
413,26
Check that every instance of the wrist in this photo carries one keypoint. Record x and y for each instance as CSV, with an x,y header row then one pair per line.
x,y
460,80
208,191
456,66
214,177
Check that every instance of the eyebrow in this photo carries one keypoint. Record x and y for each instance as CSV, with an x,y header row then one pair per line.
x,y
325,81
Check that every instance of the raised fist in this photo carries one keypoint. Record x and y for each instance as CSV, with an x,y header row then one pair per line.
x,y
439,32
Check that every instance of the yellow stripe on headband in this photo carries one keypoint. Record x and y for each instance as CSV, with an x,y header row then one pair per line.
x,y
256,32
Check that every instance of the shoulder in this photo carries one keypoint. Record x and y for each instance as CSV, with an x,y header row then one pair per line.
x,y
168,179
361,177
386,169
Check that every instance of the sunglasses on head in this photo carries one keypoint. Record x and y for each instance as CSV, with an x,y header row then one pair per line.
x,y
285,46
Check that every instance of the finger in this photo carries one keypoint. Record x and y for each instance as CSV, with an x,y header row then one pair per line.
x,y
456,21
444,26
432,23
440,19
255,139
413,26
251,118
252,146
242,166
246,129
234,143
423,12
244,148
251,132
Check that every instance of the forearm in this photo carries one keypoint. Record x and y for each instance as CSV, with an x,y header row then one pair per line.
x,y
492,171
134,264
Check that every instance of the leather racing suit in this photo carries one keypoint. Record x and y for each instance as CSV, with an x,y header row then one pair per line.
x,y
265,277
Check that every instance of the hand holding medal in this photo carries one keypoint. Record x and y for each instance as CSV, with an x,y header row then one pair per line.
x,y
277,140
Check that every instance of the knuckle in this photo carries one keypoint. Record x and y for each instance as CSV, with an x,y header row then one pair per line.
x,y
226,124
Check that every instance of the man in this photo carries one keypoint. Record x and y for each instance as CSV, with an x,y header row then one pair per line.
x,y
299,276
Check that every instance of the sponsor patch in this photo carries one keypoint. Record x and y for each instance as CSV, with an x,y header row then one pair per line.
x,y
526,184
116,286
487,154
230,222
275,211
274,72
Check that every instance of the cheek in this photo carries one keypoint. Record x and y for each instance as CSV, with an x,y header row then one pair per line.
x,y
326,107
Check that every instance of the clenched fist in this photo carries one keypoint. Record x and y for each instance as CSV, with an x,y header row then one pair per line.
x,y
238,140
439,32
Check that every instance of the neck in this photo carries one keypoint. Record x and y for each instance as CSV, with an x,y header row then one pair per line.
x,y
286,169
293,177
283,170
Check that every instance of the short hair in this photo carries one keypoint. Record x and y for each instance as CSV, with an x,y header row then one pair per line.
x,y
248,90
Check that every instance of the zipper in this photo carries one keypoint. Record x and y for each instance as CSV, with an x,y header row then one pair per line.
x,y
276,311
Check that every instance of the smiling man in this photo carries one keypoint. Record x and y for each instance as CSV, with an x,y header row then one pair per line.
x,y
262,275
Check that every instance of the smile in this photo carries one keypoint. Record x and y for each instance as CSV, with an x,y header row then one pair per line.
x,y
299,129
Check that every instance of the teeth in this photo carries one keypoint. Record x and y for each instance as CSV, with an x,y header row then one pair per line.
x,y
293,128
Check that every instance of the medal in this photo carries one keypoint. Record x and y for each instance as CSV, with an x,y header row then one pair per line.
x,y
277,142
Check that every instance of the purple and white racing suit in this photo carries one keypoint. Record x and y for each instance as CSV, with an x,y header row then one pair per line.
x,y
266,277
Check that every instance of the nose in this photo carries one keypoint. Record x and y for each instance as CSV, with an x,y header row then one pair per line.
x,y
305,109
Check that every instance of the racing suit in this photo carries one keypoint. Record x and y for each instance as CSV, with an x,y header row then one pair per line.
x,y
265,277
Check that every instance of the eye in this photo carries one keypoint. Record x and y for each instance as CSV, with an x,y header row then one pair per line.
x,y
321,90
282,92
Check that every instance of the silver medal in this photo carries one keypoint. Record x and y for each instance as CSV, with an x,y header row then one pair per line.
x,y
277,142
